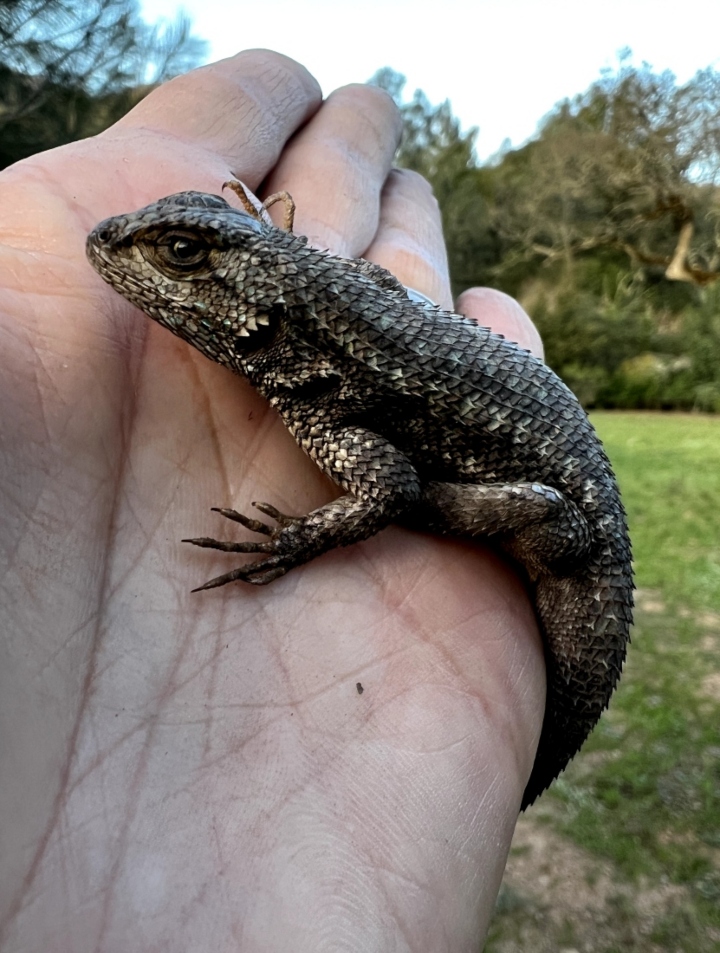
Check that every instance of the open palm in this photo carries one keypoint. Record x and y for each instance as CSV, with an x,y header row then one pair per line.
x,y
332,762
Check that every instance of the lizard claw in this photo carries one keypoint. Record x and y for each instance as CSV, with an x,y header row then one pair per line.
x,y
243,547
279,557
269,510
257,526
258,574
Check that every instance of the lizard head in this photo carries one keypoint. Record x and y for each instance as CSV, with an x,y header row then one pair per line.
x,y
196,265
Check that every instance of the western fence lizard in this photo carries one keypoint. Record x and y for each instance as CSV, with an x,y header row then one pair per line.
x,y
421,416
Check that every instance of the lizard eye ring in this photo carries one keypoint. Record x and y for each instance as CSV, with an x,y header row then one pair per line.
x,y
177,253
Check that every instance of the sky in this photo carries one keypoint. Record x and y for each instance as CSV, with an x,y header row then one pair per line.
x,y
503,64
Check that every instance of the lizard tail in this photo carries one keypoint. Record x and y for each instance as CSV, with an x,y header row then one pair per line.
x,y
585,651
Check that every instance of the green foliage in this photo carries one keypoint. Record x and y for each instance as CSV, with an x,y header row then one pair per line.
x,y
621,349
701,330
71,69
588,335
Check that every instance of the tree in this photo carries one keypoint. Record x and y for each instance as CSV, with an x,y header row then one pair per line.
x,y
70,69
605,226
633,165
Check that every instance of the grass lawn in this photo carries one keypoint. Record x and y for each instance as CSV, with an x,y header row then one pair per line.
x,y
641,804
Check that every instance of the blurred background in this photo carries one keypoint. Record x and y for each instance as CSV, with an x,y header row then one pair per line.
x,y
575,153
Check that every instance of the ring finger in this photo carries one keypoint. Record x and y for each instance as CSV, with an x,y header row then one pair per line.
x,y
409,241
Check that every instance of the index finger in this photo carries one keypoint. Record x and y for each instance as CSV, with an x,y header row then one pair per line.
x,y
230,119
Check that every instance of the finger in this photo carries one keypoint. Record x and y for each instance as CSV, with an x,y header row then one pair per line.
x,y
409,240
336,166
243,109
496,310
232,118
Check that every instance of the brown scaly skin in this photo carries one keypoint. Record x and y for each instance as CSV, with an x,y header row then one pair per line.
x,y
421,416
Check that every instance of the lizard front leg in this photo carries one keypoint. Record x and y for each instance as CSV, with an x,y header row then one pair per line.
x,y
380,481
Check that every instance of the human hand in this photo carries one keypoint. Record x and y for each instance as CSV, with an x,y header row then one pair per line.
x,y
197,772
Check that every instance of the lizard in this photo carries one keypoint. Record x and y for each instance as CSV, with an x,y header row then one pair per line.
x,y
421,417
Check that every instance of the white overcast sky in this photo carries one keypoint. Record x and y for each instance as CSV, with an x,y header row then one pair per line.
x,y
503,64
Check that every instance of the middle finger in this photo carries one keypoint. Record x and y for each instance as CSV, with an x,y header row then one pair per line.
x,y
336,166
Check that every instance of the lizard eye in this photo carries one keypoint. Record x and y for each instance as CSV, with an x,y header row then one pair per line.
x,y
177,253
182,250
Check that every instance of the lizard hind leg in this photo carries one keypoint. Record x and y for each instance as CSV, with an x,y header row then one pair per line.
x,y
582,594
535,524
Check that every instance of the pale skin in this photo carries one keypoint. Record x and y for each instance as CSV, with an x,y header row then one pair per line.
x,y
200,772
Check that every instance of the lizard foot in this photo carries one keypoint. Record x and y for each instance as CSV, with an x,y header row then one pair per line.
x,y
295,540
282,548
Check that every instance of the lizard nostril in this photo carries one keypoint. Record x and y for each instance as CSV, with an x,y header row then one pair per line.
x,y
103,235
